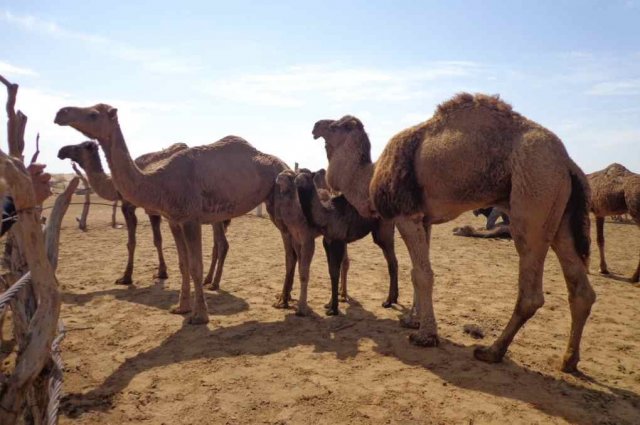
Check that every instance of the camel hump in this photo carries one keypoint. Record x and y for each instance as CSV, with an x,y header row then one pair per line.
x,y
394,187
615,170
148,158
464,101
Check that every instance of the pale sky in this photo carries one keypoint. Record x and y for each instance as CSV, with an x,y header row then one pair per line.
x,y
195,71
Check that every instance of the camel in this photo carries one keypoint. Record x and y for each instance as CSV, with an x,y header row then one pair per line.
x,y
86,155
498,231
349,173
340,224
614,191
200,185
475,152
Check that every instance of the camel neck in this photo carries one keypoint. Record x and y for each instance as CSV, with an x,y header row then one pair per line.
x,y
102,184
128,179
312,207
353,181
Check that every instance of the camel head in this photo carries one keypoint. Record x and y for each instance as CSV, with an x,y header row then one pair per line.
x,y
95,122
286,181
320,179
84,154
304,181
344,137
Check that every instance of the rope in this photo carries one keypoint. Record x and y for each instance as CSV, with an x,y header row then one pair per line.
x,y
8,295
55,381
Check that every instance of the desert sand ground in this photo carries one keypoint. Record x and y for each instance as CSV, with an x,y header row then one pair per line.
x,y
129,361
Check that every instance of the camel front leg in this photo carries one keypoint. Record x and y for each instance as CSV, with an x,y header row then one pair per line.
x,y
600,235
214,260
383,237
306,251
129,213
291,258
184,303
156,220
416,237
335,254
192,232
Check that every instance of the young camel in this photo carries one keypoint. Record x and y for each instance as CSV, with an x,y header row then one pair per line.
x,y
87,156
339,223
499,158
349,173
614,191
201,185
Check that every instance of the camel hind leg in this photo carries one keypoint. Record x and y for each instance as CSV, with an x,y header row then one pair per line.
x,y
383,236
344,273
218,256
129,213
157,242
539,198
600,235
581,295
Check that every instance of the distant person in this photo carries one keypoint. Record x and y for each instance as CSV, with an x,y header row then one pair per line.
x,y
492,214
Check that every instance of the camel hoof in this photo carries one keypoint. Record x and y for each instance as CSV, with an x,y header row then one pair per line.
x,y
424,340
635,278
487,354
198,320
389,303
161,275
179,310
332,312
211,287
342,299
281,303
570,365
605,272
124,280
303,311
409,322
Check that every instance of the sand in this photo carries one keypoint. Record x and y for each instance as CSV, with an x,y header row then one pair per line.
x,y
128,360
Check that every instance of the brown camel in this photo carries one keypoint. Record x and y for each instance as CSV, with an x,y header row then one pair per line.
x,y
349,173
475,152
201,185
340,224
614,191
86,155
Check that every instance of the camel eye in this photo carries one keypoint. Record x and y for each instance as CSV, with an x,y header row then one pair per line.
x,y
93,115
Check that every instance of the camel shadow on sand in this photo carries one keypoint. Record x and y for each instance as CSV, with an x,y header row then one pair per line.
x,y
451,362
158,296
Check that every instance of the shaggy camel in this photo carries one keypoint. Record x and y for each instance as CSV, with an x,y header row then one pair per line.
x,y
498,158
201,185
86,155
349,173
340,224
614,191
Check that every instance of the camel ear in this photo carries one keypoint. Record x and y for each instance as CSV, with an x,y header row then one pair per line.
x,y
113,113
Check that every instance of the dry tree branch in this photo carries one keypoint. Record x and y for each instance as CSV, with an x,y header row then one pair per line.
x,y
82,220
37,152
17,121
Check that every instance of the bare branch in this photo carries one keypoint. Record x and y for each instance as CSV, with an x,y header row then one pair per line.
x,y
37,152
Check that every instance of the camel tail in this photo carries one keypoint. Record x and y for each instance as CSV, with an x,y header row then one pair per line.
x,y
394,187
578,208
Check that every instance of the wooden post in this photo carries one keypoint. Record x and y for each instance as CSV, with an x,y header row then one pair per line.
x,y
41,306
82,220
